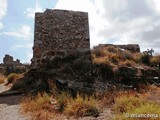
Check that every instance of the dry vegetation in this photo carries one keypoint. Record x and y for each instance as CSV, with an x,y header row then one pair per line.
x,y
2,78
39,106
133,105
44,106
114,57
13,77
80,107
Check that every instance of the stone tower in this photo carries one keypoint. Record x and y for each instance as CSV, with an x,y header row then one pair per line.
x,y
59,32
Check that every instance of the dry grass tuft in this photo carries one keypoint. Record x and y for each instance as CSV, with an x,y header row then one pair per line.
x,y
125,103
43,106
33,104
152,87
128,63
80,107
62,100
39,106
134,105
13,77
2,79
41,115
105,99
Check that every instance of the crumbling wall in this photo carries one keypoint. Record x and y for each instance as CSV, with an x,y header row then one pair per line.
x,y
8,61
131,47
59,32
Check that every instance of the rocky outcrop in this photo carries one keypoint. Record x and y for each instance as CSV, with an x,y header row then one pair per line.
x,y
136,75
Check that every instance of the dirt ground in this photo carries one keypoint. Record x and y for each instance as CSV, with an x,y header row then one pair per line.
x,y
10,107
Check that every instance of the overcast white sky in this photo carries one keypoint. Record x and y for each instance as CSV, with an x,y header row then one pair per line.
x,y
111,21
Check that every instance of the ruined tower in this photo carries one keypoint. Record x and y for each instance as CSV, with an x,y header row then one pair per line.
x,y
59,32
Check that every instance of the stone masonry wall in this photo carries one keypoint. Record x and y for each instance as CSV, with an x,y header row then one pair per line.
x,y
59,32
131,47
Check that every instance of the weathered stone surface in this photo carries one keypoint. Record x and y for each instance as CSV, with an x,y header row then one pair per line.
x,y
59,32
8,61
127,71
131,47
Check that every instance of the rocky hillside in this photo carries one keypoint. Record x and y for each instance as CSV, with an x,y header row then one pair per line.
x,y
98,69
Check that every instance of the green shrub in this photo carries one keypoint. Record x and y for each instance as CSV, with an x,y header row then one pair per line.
x,y
146,56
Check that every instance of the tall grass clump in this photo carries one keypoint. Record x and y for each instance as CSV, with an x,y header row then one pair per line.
x,y
133,107
80,107
2,78
33,104
126,103
105,99
62,100
38,106
13,77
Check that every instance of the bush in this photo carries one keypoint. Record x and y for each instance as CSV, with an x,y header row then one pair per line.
x,y
155,60
146,56
80,107
13,77
99,52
